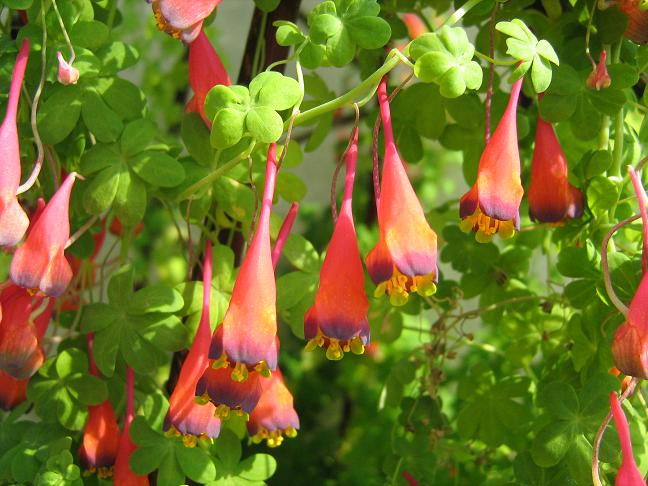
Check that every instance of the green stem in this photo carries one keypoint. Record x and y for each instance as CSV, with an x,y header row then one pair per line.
x,y
460,12
256,62
187,193
495,61
393,59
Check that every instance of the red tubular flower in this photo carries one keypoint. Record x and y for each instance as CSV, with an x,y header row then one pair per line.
x,y
13,219
552,198
39,263
405,257
182,19
101,433
20,352
124,475
246,339
599,77
637,30
185,415
415,26
630,343
239,397
338,318
274,415
628,474
205,71
492,205
12,392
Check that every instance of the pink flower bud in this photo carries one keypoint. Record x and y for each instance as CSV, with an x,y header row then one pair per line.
x,y
67,74
599,77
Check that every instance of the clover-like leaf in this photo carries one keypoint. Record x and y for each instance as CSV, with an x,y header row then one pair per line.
x,y
445,58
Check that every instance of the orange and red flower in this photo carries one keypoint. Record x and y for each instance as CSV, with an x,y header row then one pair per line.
x,y
628,474
552,199
246,340
39,263
599,77
637,29
185,415
205,71
405,258
12,392
275,415
182,19
492,205
338,318
13,219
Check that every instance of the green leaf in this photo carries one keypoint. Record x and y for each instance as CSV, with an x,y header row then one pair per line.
x,y
258,467
602,194
123,97
120,286
275,91
195,463
195,136
59,113
137,135
288,34
266,6
552,443
291,187
116,57
103,122
71,361
130,199
264,124
559,399
228,449
99,157
158,169
100,191
369,32
228,128
156,298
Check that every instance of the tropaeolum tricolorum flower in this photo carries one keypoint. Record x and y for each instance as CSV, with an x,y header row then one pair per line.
x,y
275,415
39,263
492,205
405,258
245,346
182,19
205,71
628,474
630,343
337,320
13,219
186,416
552,199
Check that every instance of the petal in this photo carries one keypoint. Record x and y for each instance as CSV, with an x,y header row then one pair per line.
x,y
100,437
220,387
12,392
13,221
184,14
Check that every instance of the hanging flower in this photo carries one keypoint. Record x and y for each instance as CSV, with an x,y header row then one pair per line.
x,y
13,219
552,199
101,433
415,26
630,343
186,416
246,340
229,396
274,416
338,318
67,74
39,263
405,258
599,77
182,19
637,29
205,71
20,352
492,205
628,474
12,392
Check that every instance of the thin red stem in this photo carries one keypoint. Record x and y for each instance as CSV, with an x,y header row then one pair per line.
x,y
93,366
623,429
268,190
351,159
641,200
286,226
385,113
204,331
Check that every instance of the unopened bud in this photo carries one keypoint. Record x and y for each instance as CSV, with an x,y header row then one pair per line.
x,y
599,77
67,74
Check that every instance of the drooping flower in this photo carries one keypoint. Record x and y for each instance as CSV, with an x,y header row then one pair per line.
x,y
630,343
39,263
205,71
274,416
246,340
124,475
12,392
67,74
182,19
637,29
20,352
229,396
599,77
101,433
552,198
186,416
337,320
415,26
13,219
628,474
492,205
405,258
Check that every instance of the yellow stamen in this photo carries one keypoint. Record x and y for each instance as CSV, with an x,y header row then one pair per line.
x,y
356,346
335,348
399,286
105,472
221,362
240,373
189,440
486,227
162,23
222,411
334,351
202,399
263,369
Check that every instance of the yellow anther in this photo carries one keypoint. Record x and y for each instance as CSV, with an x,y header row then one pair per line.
x,y
240,373
202,399
380,290
172,432
398,297
221,362
189,440
311,345
104,472
263,369
334,351
291,432
345,347
356,345
222,411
